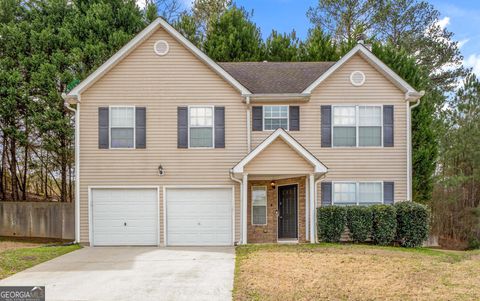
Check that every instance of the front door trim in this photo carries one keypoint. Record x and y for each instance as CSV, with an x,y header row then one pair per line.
x,y
297,212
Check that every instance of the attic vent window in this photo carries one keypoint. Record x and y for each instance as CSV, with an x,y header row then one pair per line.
x,y
161,47
357,78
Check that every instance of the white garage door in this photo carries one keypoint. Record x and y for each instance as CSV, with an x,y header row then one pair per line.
x,y
126,216
199,216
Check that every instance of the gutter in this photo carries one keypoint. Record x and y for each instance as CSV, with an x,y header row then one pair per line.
x,y
77,161
241,200
314,209
409,97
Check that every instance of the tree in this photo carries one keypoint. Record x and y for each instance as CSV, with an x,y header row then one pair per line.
x,y
318,47
205,12
189,28
411,25
281,47
233,37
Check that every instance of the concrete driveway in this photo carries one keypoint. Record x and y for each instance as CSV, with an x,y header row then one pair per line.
x,y
135,273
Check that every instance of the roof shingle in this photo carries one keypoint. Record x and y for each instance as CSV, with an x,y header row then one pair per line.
x,y
276,77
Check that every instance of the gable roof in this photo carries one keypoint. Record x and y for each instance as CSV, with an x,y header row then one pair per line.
x,y
410,92
276,77
319,167
136,41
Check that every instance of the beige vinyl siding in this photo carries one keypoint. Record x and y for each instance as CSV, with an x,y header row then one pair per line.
x,y
278,159
161,84
356,164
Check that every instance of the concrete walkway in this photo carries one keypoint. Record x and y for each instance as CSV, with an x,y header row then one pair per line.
x,y
135,273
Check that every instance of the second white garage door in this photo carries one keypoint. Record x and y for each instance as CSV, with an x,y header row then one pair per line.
x,y
199,216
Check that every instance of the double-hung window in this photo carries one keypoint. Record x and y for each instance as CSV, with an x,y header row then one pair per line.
x,y
355,126
122,127
259,205
357,193
275,117
201,126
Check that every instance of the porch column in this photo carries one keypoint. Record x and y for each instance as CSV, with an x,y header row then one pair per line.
x,y
311,188
244,207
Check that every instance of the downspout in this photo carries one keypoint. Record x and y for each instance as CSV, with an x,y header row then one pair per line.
x,y
241,200
409,150
249,142
314,215
77,166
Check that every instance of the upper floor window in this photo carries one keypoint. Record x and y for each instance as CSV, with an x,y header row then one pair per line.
x,y
200,126
275,117
357,126
122,127
357,193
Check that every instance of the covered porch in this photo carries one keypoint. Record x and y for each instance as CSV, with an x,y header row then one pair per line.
x,y
278,191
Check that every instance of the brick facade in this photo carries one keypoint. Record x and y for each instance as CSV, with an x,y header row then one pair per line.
x,y
268,233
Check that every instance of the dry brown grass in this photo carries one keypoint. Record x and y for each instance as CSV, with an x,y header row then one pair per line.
x,y
354,272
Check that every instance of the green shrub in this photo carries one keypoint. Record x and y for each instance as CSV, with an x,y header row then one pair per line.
x,y
412,224
331,223
384,224
359,222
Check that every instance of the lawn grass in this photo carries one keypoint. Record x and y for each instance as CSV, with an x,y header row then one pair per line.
x,y
15,260
354,272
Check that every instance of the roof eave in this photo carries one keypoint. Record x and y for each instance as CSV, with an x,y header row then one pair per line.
x,y
262,97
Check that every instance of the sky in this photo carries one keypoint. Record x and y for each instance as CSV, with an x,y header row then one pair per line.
x,y
462,17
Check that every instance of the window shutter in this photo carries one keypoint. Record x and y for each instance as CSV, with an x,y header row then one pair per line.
x,y
326,131
182,127
326,193
388,192
140,127
103,134
294,118
388,126
219,127
257,118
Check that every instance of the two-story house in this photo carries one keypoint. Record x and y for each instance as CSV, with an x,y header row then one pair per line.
x,y
173,148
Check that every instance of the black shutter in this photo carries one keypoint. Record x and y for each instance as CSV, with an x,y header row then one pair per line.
x,y
326,131
182,127
103,128
326,193
388,192
219,127
140,127
388,126
257,118
294,116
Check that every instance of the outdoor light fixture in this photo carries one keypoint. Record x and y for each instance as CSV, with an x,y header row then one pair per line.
x,y
161,171
272,184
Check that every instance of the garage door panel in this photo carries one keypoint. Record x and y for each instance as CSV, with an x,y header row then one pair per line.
x,y
199,216
125,216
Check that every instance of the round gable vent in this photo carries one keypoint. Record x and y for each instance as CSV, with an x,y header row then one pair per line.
x,y
161,47
357,78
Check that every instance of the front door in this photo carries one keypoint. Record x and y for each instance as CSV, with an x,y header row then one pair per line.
x,y
287,211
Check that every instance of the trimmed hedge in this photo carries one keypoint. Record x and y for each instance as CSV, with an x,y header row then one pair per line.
x,y
412,224
384,224
359,222
331,223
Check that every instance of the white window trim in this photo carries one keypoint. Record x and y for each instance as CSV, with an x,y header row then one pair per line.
x,y
263,117
357,125
266,205
357,190
213,127
110,126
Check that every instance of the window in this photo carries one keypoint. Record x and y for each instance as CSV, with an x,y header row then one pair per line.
x,y
344,126
201,126
370,193
275,117
259,205
357,126
344,193
360,193
122,127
